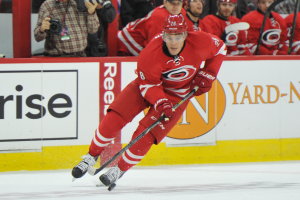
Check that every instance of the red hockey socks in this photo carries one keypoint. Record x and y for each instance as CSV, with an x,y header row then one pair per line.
x,y
107,130
136,152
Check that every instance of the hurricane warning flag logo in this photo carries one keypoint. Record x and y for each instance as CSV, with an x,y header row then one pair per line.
x,y
180,74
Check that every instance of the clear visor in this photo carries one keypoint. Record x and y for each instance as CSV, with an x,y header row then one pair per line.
x,y
174,37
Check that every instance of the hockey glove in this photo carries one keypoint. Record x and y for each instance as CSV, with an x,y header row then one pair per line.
x,y
164,106
204,80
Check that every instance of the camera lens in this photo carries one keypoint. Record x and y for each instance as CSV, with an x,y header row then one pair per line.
x,y
53,27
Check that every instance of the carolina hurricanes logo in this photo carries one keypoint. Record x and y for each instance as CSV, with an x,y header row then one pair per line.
x,y
271,36
179,74
231,38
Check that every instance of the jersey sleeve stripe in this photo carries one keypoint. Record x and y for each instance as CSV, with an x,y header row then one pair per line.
x,y
120,36
222,50
179,92
182,90
144,88
134,43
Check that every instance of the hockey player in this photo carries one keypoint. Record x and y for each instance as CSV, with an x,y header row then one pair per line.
x,y
169,67
296,39
194,9
275,31
137,34
235,40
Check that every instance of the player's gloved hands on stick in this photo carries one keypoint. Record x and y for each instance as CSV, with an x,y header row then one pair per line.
x,y
164,106
204,80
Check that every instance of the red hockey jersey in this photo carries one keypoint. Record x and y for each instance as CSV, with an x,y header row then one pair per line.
x,y
198,26
296,39
164,76
274,35
235,40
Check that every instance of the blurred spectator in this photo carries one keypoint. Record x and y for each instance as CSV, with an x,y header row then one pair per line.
x,y
274,35
194,9
65,28
132,10
106,13
235,40
296,39
286,7
136,35
242,8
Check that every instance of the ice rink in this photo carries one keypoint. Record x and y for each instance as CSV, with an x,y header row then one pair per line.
x,y
268,180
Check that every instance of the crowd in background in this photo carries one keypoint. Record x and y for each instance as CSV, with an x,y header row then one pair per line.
x,y
216,17
135,10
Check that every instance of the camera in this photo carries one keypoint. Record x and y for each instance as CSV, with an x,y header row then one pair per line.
x,y
104,3
55,27
81,6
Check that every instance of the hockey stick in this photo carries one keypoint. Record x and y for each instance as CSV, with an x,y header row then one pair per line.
x,y
240,26
94,171
267,13
293,27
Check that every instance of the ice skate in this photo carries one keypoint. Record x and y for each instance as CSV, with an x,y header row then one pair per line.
x,y
81,168
110,177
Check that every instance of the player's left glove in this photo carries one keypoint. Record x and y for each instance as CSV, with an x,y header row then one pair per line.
x,y
204,80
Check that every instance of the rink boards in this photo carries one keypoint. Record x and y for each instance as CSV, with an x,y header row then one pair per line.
x,y
50,108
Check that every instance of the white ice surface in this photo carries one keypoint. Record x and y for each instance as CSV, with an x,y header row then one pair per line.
x,y
248,181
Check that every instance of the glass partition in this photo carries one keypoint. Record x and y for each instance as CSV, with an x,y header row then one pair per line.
x,y
36,47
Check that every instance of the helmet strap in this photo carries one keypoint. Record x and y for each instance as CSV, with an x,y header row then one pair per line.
x,y
189,10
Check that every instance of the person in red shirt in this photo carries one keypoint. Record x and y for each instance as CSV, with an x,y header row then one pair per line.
x,y
296,39
137,34
235,40
194,9
133,38
274,35
169,67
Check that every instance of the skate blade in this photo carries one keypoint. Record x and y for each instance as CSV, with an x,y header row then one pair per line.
x,y
100,185
74,179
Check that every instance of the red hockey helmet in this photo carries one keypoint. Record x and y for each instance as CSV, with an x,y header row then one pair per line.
x,y
228,1
175,24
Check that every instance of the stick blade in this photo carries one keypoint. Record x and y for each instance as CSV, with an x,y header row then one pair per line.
x,y
240,26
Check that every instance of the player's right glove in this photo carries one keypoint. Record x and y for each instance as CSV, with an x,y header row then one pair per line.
x,y
204,80
164,106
